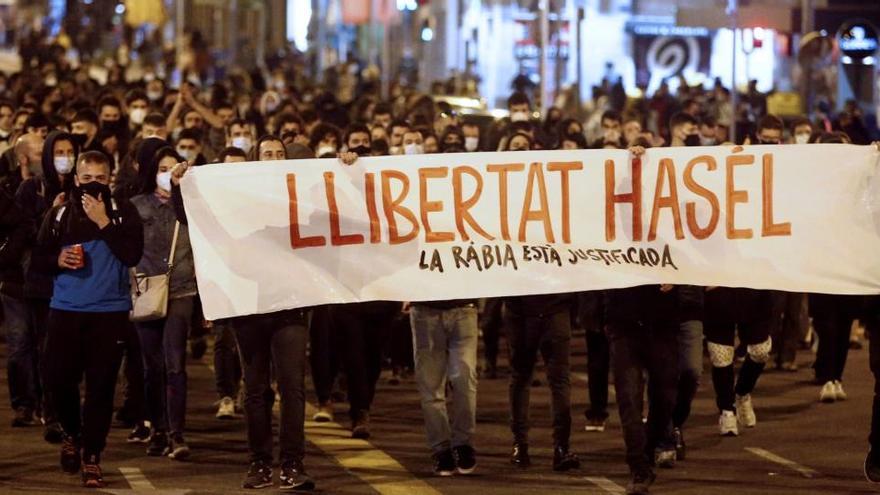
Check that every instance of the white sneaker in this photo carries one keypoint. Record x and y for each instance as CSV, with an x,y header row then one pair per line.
x,y
828,393
727,424
745,412
324,414
226,409
839,393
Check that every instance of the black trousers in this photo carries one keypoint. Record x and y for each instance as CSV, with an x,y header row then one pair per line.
x,y
323,357
263,340
833,316
551,336
362,329
636,349
90,345
872,328
598,366
490,324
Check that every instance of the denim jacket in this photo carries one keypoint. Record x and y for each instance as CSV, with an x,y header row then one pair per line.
x,y
159,219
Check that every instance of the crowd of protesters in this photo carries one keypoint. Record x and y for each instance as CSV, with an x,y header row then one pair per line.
x,y
90,193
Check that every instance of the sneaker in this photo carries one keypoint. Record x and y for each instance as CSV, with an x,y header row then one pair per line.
x,y
745,411
92,477
324,413
640,484
789,366
664,458
519,457
360,428
71,459
140,434
23,417
178,449
564,460
53,433
595,425
727,424
259,475
158,445
294,477
444,463
872,467
680,446
226,408
839,393
465,459
828,394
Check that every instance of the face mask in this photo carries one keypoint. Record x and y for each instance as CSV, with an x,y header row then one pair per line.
x,y
325,149
51,81
692,140
242,142
163,180
761,141
63,164
93,189
137,115
154,95
360,150
704,141
519,117
471,143
413,149
110,125
79,139
187,155
612,136
802,138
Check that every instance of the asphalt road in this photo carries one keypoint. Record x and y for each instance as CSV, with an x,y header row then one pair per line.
x,y
799,447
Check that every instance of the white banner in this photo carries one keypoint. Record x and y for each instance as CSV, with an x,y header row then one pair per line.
x,y
279,235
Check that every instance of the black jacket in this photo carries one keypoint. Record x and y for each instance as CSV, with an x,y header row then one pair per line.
x,y
124,236
540,306
16,233
645,304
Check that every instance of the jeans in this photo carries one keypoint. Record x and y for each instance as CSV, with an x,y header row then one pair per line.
x,y
22,364
87,344
789,325
134,403
598,365
227,366
38,314
263,340
163,343
445,351
690,365
551,336
637,348
322,352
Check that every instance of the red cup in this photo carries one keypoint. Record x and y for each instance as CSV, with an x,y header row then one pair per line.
x,y
77,249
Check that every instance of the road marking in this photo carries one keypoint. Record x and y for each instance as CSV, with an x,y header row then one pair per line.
x,y
362,459
136,479
782,461
606,485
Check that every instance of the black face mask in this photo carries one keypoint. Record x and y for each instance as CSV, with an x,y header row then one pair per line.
x,y
79,139
111,125
692,140
93,189
360,150
761,141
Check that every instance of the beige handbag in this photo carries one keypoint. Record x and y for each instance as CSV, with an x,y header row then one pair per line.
x,y
149,296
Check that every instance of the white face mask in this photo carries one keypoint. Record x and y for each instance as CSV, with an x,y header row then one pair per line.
x,y
154,95
413,149
325,149
707,141
242,142
63,164
801,138
138,115
471,143
187,155
519,117
163,180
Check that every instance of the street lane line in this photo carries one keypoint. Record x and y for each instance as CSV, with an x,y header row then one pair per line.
x,y
363,459
606,485
136,479
770,456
